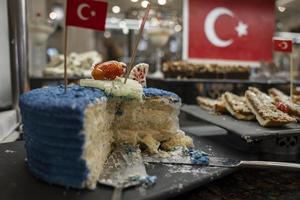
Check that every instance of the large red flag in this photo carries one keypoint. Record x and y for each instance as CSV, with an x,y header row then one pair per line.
x,y
230,29
86,14
283,45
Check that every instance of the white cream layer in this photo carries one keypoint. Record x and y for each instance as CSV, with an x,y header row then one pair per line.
x,y
117,88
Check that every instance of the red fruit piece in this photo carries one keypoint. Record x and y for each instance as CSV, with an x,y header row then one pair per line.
x,y
98,74
281,106
108,70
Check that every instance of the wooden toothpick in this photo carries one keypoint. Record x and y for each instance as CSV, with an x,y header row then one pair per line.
x,y
65,58
137,42
291,76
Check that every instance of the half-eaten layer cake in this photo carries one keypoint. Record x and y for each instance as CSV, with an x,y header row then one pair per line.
x,y
70,135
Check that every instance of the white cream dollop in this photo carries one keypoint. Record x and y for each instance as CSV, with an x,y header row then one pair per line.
x,y
132,89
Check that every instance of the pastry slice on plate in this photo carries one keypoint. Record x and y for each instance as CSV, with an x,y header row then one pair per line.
x,y
277,95
215,105
263,96
284,103
296,99
237,106
265,111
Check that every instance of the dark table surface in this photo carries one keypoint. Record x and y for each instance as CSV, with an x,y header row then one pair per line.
x,y
250,184
242,184
17,183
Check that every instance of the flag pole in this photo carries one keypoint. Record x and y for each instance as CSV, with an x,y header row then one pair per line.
x,y
137,42
65,56
291,75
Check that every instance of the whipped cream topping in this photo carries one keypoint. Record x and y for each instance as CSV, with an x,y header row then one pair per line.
x,y
117,88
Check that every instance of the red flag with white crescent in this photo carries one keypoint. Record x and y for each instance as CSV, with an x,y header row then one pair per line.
x,y
283,45
239,30
87,14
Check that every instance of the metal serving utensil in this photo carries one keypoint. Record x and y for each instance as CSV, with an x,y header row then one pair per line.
x,y
225,162
124,163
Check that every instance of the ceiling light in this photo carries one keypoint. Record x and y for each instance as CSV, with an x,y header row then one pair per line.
x,y
134,1
116,9
162,2
53,15
281,8
144,4
178,28
59,12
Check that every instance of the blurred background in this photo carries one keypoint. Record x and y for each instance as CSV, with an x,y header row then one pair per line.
x,y
46,17
32,36
162,42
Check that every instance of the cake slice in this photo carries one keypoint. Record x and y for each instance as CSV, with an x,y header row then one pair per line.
x,y
263,96
265,111
284,103
68,136
215,105
237,106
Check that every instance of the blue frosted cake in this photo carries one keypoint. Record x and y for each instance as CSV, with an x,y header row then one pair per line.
x,y
70,135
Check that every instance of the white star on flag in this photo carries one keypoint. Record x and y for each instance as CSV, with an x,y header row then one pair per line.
x,y
241,29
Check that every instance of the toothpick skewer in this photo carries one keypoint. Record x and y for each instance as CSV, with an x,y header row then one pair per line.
x,y
65,58
137,43
291,76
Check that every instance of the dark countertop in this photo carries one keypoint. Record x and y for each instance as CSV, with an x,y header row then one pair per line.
x,y
245,184
250,184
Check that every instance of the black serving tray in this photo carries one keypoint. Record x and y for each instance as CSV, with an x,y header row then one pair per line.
x,y
16,182
247,130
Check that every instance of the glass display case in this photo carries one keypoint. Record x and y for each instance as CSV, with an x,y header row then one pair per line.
x,y
161,44
46,26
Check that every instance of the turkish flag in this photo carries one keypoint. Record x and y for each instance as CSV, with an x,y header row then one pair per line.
x,y
230,29
283,45
86,14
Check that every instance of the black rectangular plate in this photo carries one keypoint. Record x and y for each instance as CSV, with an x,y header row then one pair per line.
x,y
248,130
17,183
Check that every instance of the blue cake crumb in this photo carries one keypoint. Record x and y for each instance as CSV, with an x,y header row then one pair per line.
x,y
130,150
198,157
147,181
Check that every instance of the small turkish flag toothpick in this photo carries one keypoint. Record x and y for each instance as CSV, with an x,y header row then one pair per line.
x,y
283,45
